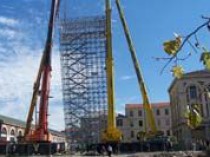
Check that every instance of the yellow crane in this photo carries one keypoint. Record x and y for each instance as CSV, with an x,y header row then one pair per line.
x,y
146,101
112,134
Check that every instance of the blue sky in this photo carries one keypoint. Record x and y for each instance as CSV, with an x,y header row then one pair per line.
x,y
22,35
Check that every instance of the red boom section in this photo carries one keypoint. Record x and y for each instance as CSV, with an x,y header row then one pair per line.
x,y
43,123
41,133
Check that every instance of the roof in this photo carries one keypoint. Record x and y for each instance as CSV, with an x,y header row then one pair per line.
x,y
119,115
12,121
20,123
190,75
154,105
57,133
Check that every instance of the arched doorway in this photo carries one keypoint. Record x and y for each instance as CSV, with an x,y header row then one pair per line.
x,y
3,132
12,135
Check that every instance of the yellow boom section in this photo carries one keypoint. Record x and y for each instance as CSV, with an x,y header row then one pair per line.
x,y
34,99
146,102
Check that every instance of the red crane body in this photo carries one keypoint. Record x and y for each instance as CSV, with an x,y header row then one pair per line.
x,y
41,132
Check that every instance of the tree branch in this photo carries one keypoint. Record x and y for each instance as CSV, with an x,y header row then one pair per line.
x,y
186,39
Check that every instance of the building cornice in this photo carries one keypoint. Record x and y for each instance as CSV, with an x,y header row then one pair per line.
x,y
195,74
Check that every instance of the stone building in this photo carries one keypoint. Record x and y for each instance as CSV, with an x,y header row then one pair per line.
x,y
134,120
12,128
192,88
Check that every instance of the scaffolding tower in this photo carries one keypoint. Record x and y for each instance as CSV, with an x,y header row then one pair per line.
x,y
83,54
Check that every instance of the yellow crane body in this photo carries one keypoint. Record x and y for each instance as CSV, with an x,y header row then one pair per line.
x,y
111,134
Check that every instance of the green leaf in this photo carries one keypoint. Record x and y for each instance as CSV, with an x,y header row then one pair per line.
x,y
207,64
194,117
171,47
178,71
205,58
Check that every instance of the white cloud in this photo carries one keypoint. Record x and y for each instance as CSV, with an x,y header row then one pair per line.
x,y
16,85
56,117
20,53
2,49
8,33
127,77
121,101
14,109
8,21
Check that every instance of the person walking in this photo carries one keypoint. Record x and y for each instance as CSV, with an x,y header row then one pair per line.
x,y
109,150
103,150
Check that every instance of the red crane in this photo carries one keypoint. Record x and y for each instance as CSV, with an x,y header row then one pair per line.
x,y
41,133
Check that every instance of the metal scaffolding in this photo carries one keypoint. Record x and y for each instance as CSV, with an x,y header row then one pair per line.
x,y
83,52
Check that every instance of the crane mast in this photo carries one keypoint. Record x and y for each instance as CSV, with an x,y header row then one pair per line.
x,y
109,67
44,76
111,134
146,102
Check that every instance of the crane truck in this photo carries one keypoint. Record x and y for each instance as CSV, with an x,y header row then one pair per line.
x,y
112,134
38,139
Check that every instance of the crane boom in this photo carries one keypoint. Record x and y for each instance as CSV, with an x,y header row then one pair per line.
x,y
44,75
146,102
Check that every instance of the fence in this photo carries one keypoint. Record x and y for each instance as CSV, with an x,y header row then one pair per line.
x,y
13,149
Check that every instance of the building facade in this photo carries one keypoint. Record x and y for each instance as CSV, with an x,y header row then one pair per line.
x,y
134,120
192,89
12,128
92,128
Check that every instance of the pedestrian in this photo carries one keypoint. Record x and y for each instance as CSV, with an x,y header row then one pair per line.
x,y
109,150
103,150
207,144
98,149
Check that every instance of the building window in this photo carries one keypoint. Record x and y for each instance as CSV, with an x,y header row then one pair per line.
x,y
188,97
12,132
12,139
159,122
131,123
4,132
157,112
119,122
193,92
168,133
207,108
166,112
167,122
20,133
140,113
140,123
132,134
131,113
